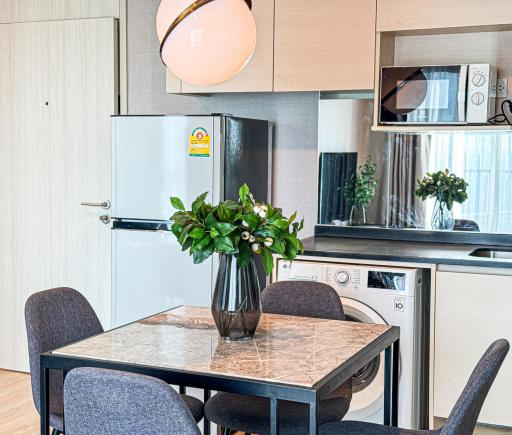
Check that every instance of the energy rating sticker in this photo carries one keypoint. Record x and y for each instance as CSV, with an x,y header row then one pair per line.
x,y
199,143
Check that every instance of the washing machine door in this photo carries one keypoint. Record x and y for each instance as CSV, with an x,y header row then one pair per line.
x,y
368,384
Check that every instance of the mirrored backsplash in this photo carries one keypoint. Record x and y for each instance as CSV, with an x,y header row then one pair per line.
x,y
449,181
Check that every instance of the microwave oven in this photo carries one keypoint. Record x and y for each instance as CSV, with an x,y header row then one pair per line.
x,y
442,94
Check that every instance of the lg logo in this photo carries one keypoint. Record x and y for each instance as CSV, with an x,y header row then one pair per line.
x,y
399,304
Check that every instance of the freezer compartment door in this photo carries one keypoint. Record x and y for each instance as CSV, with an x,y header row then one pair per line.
x,y
151,274
152,161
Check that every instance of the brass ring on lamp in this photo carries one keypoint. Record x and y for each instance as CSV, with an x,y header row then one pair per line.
x,y
191,9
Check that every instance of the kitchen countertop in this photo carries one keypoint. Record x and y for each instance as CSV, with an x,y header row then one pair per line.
x,y
399,251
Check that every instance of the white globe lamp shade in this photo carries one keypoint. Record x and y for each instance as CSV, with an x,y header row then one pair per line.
x,y
205,42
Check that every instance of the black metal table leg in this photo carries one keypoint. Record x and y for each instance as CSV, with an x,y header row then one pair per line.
x,y
394,383
274,416
313,417
206,423
392,358
44,399
387,386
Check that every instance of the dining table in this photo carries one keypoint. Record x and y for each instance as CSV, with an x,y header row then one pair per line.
x,y
299,359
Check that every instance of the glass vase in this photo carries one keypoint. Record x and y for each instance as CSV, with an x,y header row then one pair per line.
x,y
236,305
357,215
442,218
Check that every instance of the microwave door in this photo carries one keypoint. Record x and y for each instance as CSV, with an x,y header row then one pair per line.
x,y
424,95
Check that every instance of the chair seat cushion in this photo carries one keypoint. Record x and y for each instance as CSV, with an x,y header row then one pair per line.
x,y
361,428
252,414
195,405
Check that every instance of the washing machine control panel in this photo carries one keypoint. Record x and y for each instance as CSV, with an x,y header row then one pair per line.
x,y
347,277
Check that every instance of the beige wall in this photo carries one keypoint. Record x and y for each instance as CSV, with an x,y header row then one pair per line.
x,y
295,114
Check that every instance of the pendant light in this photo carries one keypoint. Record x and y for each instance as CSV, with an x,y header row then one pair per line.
x,y
206,42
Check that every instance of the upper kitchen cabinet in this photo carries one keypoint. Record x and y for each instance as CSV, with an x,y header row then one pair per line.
x,y
18,11
407,15
324,46
257,76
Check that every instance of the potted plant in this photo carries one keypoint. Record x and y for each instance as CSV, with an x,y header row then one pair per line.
x,y
446,189
237,231
360,190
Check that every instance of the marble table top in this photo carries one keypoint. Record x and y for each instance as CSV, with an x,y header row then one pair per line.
x,y
290,350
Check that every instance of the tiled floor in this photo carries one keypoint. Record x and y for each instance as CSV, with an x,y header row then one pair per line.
x,y
19,417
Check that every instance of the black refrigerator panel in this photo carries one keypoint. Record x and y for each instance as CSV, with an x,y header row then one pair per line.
x,y
248,159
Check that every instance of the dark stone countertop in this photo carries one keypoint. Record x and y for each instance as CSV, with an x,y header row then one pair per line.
x,y
399,251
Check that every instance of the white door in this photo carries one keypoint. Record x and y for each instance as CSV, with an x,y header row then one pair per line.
x,y
58,148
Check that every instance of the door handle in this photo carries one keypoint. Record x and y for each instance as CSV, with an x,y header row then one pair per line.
x,y
105,205
105,218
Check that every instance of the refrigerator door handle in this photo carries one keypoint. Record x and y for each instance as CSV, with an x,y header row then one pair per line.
x,y
142,230
153,227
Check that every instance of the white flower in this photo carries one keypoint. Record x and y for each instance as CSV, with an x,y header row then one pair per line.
x,y
262,214
246,235
255,247
269,242
257,209
252,239
245,224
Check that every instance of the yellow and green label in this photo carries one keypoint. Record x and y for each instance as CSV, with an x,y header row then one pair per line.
x,y
199,143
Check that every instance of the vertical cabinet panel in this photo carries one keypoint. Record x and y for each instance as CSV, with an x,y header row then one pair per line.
x,y
257,76
327,45
471,312
62,83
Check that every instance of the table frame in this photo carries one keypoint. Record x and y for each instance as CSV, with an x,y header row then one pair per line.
x,y
387,342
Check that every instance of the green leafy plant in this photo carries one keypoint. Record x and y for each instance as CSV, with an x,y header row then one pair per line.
x,y
445,187
360,189
241,228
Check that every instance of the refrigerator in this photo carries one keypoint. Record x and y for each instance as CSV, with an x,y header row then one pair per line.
x,y
154,158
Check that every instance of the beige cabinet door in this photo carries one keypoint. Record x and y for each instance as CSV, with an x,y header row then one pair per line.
x,y
324,45
403,15
471,311
257,76
63,91
18,11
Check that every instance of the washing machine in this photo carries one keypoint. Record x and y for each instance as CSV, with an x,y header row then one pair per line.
x,y
382,295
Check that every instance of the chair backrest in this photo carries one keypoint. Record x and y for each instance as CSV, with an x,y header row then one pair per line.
x,y
55,318
302,298
463,418
98,401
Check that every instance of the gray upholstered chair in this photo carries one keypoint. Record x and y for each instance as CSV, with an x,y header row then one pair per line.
x,y
252,414
109,402
55,318
461,421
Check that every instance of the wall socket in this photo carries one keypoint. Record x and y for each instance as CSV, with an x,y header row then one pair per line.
x,y
502,88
